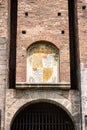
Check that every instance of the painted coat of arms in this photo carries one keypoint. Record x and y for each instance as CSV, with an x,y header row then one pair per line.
x,y
43,65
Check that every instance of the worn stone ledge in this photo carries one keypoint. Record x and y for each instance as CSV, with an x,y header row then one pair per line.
x,y
25,85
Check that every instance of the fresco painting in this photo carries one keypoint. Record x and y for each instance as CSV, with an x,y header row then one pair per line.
x,y
43,65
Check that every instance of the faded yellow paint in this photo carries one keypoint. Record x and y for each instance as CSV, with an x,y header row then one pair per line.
x,y
37,61
43,50
47,73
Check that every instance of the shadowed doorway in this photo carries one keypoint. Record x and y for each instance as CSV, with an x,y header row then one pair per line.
x,y
42,116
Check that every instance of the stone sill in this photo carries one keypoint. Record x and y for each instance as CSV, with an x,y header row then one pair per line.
x,y
25,85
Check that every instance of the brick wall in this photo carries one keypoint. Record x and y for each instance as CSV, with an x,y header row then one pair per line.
x,y
3,58
42,23
82,21
82,26
42,20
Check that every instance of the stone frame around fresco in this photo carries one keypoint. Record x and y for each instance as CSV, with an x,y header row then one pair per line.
x,y
43,48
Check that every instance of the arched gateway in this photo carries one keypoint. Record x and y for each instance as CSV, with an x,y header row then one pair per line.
x,y
42,116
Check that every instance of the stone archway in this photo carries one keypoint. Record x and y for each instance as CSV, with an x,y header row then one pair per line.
x,y
42,116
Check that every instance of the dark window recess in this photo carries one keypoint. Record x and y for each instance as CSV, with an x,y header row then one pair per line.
x,y
59,14
83,7
86,122
62,32
13,38
42,116
26,13
23,32
74,45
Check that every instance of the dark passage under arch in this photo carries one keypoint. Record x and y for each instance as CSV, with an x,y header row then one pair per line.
x,y
42,116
